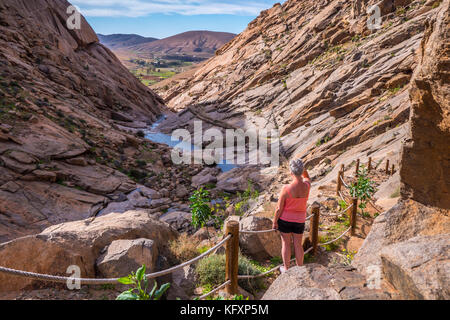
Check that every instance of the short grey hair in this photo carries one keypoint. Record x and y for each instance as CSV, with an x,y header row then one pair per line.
x,y
297,167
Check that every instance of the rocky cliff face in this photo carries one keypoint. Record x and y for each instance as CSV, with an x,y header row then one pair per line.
x,y
336,90
64,99
426,156
411,241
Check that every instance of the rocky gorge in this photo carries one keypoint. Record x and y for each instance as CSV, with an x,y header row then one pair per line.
x,y
81,185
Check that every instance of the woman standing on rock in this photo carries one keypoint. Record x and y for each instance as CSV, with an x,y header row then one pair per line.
x,y
290,215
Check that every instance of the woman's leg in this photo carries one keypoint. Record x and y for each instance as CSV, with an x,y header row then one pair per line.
x,y
298,247
286,249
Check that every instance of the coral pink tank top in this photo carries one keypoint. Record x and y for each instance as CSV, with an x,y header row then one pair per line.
x,y
295,208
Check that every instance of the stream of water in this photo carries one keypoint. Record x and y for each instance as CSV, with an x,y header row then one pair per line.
x,y
153,134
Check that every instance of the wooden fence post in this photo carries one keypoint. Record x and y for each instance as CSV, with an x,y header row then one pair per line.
x,y
315,228
357,168
393,169
339,182
387,166
370,164
353,215
343,167
232,257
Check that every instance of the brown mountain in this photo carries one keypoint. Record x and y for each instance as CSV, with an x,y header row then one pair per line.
x,y
192,43
119,41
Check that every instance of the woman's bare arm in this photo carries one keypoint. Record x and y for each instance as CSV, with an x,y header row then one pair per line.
x,y
306,176
280,208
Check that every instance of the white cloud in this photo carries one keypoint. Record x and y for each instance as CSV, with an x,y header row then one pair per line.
x,y
141,8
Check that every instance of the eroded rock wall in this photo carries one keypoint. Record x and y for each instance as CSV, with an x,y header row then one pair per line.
x,y
411,242
425,169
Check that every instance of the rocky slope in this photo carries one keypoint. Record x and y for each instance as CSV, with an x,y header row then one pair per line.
x,y
69,113
335,89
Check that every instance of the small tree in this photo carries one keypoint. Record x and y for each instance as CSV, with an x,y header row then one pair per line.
x,y
139,283
363,189
201,211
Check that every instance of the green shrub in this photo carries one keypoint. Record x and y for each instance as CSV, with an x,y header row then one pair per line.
x,y
137,175
141,163
139,287
363,189
140,134
211,272
343,205
201,211
243,199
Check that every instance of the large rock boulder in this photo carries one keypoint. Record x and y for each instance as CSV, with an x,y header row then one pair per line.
x,y
77,243
404,221
312,282
260,245
179,220
206,176
122,257
185,279
316,282
420,267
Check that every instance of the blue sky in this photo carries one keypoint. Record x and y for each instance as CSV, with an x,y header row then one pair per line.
x,y
163,18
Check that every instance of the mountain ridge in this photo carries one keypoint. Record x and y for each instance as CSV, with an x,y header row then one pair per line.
x,y
118,40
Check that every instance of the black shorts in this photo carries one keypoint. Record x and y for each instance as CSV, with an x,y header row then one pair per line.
x,y
290,227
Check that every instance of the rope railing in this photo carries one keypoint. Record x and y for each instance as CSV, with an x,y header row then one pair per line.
x,y
338,238
343,182
268,272
339,213
268,230
374,206
95,281
215,290
257,231
342,196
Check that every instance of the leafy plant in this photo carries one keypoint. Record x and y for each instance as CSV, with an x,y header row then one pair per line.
x,y
348,257
322,141
201,211
309,258
139,286
242,205
140,134
363,189
343,205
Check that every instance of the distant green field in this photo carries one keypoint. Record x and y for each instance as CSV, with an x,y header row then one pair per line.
x,y
146,68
